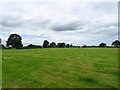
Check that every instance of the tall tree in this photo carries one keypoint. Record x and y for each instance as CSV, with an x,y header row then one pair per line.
x,y
45,44
116,43
14,41
102,45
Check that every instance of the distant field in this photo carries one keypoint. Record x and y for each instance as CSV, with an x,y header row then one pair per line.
x,y
60,68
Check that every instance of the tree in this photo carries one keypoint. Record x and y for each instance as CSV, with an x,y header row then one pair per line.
x,y
71,45
116,43
53,45
33,46
102,45
0,40
61,45
3,47
67,45
93,46
84,46
45,44
0,43
14,41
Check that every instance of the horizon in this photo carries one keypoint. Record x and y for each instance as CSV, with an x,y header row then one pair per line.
x,y
60,42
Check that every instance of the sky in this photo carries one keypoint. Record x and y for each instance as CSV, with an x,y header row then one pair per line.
x,y
70,21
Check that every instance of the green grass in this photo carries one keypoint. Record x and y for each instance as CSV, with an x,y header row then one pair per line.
x,y
60,68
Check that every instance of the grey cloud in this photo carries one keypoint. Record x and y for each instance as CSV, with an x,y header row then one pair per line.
x,y
110,31
20,22
69,26
11,21
39,23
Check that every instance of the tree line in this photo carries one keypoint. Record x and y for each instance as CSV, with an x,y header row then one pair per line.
x,y
15,41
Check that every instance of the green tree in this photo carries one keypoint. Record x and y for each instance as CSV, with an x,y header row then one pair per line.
x,y
116,43
53,45
15,41
61,45
45,44
0,40
84,46
0,43
67,45
102,45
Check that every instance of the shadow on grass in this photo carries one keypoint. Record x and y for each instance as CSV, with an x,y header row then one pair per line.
x,y
89,79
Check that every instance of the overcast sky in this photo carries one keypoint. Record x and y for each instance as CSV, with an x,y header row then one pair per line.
x,y
73,22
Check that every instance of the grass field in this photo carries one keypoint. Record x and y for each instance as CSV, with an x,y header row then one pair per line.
x,y
60,68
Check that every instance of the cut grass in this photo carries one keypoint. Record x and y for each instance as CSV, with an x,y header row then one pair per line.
x,y
60,68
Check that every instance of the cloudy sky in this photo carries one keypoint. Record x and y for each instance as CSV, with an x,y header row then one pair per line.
x,y
69,21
